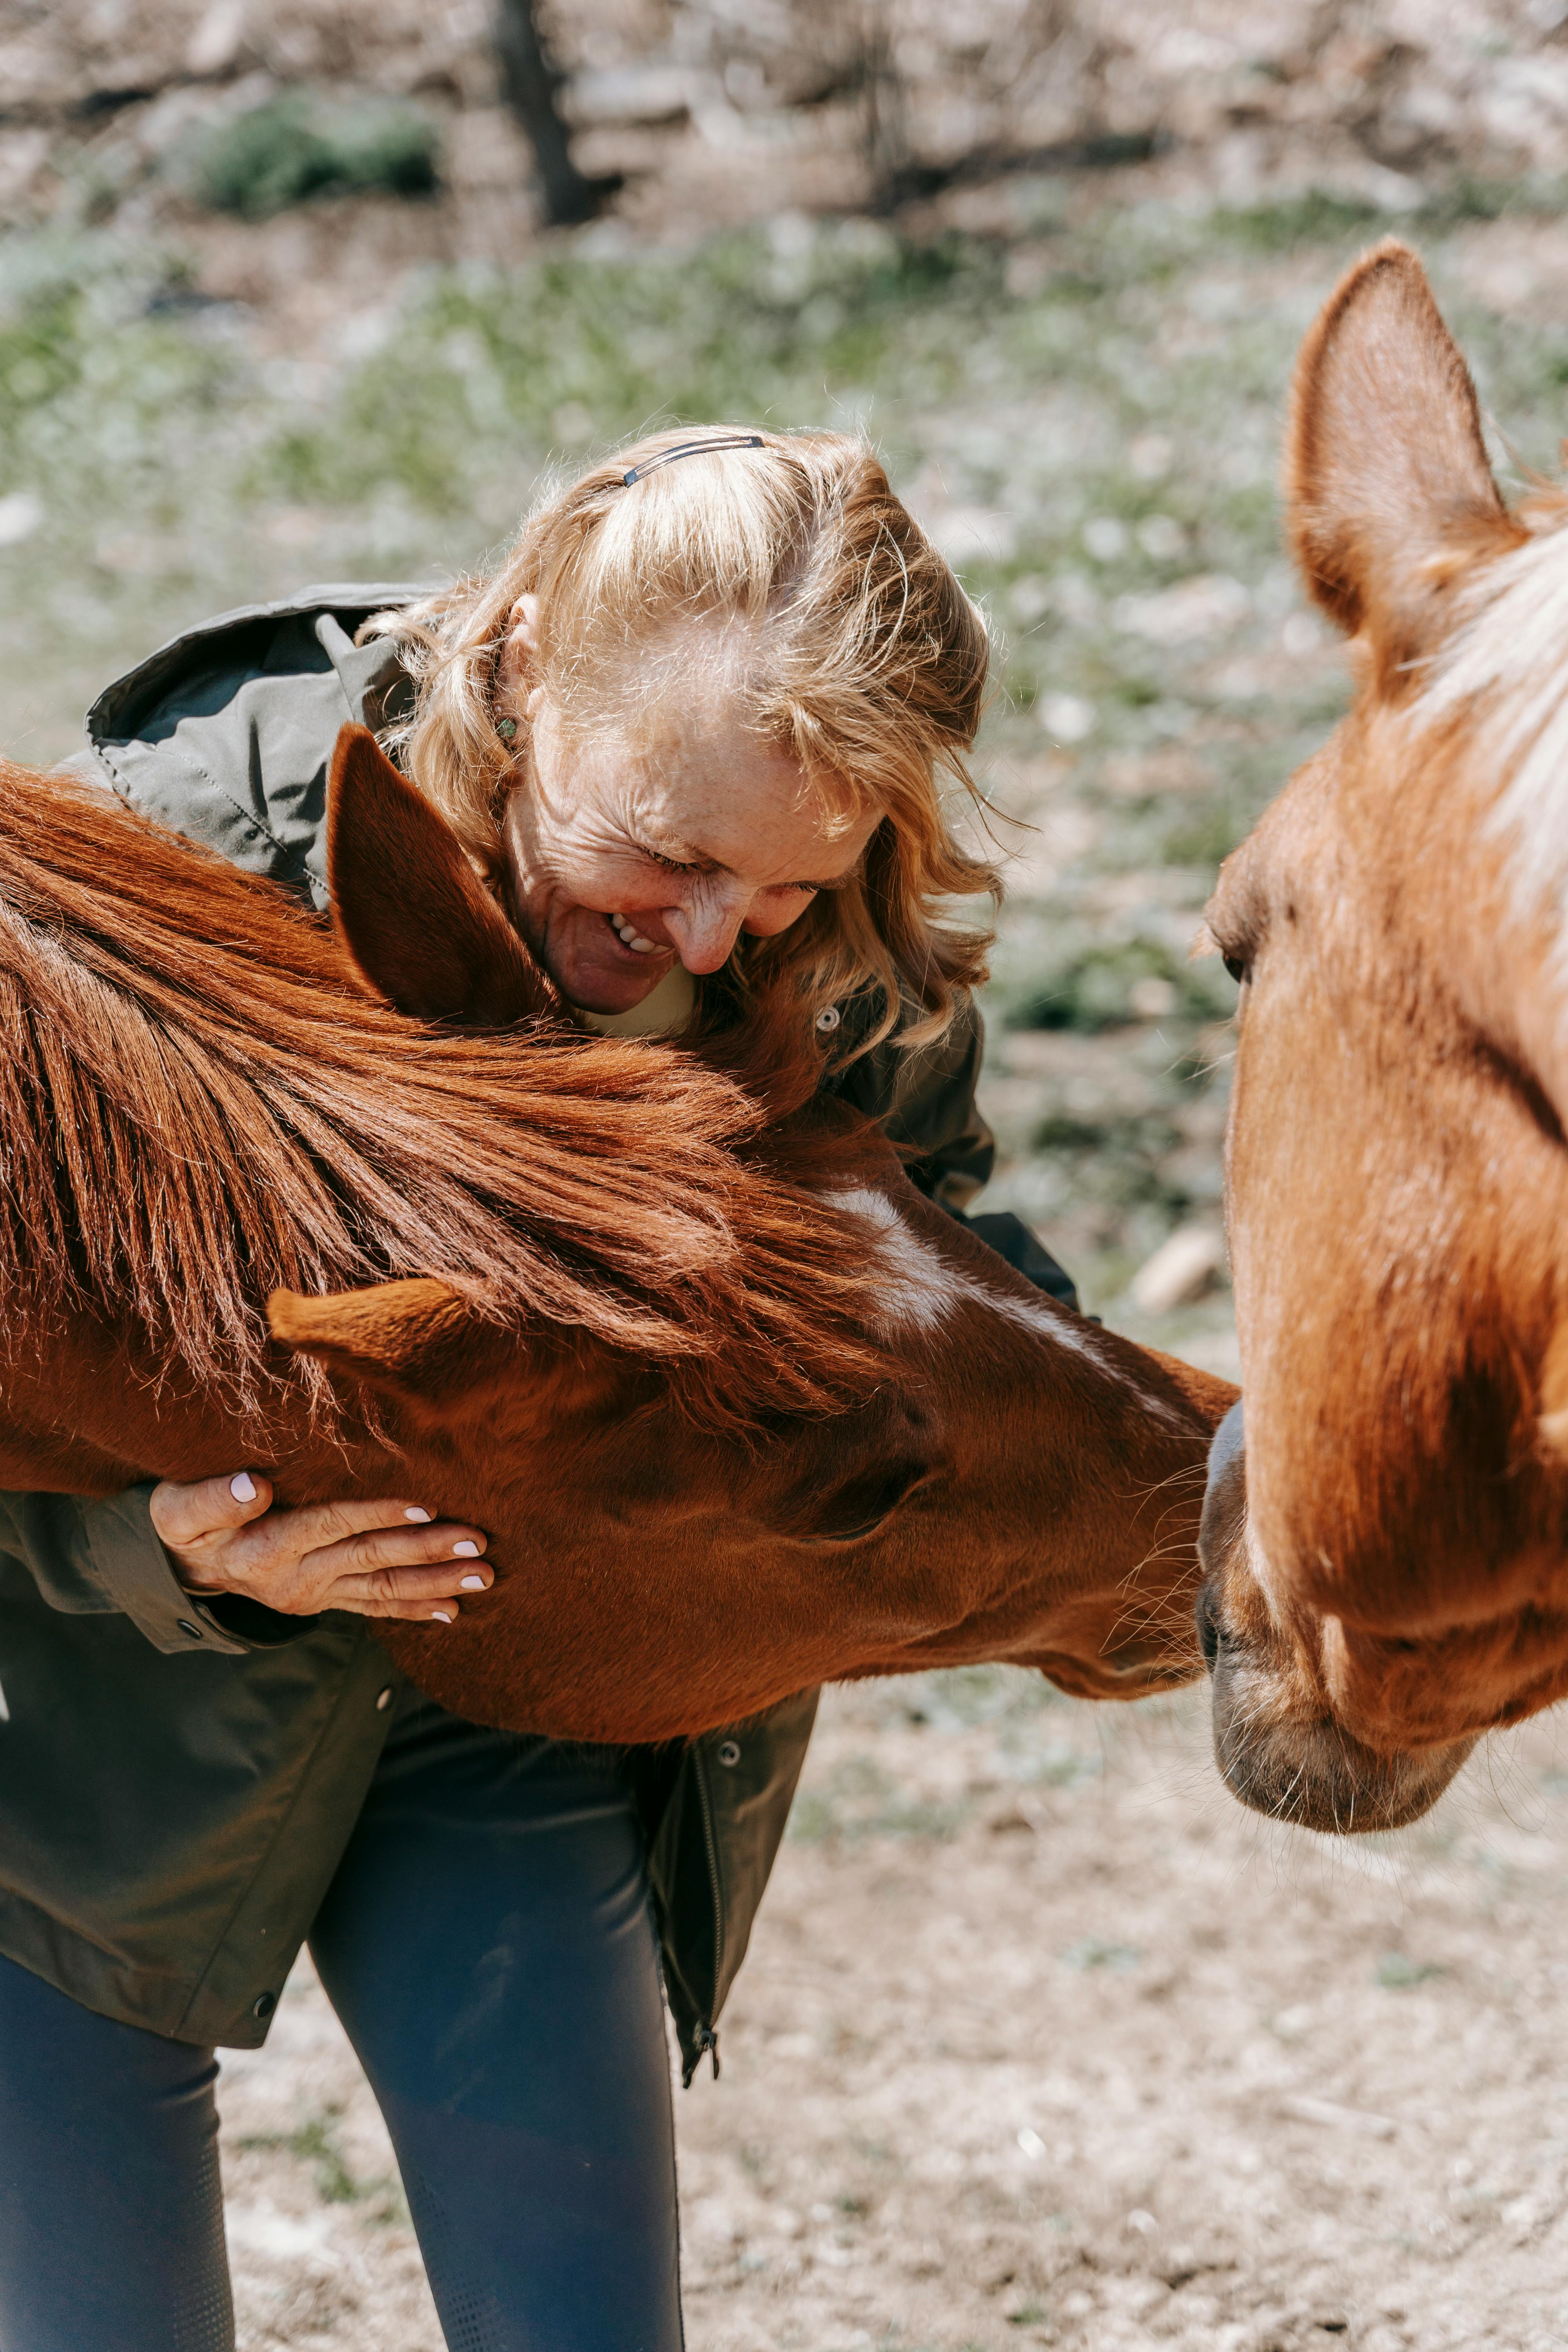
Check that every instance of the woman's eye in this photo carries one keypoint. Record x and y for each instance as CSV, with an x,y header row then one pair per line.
x,y
671,864
1236,968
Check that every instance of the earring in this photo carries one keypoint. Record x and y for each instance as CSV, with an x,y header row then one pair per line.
x,y
507,729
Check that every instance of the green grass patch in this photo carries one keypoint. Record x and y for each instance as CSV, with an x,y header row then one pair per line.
x,y
1315,216
1110,984
1094,1952
1395,1973
594,352
300,145
315,2142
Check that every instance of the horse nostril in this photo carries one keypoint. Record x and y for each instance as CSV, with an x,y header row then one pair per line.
x,y
1209,1636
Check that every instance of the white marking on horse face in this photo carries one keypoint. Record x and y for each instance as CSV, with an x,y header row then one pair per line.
x,y
1510,656
922,1290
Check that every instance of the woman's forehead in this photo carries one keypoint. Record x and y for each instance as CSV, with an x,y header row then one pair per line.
x,y
750,812
708,782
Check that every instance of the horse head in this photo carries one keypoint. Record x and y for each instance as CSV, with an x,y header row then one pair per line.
x,y
983,1474
1388,1565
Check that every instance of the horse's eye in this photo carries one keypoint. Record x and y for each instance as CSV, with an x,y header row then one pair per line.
x,y
1236,968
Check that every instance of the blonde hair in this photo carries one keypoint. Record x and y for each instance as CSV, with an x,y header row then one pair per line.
x,y
850,645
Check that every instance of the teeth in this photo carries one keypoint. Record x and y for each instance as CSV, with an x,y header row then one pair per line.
x,y
631,937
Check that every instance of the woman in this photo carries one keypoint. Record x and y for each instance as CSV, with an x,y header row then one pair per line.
x,y
692,729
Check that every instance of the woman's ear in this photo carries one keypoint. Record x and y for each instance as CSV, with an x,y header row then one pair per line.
x,y
519,653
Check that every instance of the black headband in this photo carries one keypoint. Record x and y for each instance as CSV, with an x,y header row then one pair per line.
x,y
692,449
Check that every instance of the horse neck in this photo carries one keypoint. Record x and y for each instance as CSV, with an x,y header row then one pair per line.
x,y
92,1407
222,1098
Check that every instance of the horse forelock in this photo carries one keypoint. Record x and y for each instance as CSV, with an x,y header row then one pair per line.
x,y
1505,667
197,1107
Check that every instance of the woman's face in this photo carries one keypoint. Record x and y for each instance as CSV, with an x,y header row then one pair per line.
x,y
627,856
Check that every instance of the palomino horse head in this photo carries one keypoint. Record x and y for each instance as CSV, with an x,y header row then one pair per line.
x,y
1002,1480
1395,1580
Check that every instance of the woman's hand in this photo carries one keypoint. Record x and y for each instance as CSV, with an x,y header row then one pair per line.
x,y
376,1560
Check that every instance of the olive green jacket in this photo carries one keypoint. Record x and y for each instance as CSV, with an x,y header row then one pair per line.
x,y
179,1777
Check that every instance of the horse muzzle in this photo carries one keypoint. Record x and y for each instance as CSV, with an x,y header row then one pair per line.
x,y
1294,1763
1279,1749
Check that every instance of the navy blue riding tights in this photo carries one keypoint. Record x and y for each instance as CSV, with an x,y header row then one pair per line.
x,y
487,1944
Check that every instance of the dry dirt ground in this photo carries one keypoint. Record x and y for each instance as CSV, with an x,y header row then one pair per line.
x,y
1044,2040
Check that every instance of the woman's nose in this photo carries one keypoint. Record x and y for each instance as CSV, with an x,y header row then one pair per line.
x,y
705,934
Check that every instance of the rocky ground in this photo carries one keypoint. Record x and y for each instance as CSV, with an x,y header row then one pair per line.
x,y
1042,2040
704,110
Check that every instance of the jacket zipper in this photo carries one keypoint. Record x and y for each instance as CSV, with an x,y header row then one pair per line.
x,y
708,2033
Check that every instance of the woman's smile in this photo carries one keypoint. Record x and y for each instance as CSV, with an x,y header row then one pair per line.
x,y
631,937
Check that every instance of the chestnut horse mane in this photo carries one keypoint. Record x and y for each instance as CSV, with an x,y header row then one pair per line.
x,y
199,1105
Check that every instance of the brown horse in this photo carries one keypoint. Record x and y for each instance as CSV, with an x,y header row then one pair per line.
x,y
741,1410
1398,1180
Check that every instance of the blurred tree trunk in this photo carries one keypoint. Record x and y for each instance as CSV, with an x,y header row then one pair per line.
x,y
886,114
530,83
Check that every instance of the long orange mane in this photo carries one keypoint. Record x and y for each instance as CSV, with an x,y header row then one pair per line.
x,y
197,1107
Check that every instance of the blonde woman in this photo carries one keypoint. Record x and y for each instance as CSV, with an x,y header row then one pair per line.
x,y
694,729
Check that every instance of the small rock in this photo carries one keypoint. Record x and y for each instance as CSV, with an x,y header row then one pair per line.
x,y
1210,604
217,39
1067,717
1162,536
1348,2119
1151,998
20,516
970,534
1180,1270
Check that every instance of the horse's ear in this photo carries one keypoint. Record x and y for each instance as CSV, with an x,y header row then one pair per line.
x,y
446,1364
418,924
1388,492
415,1340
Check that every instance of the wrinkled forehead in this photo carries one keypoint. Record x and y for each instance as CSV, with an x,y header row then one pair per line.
x,y
684,719
702,794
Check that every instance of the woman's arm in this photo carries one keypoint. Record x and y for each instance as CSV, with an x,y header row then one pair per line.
x,y
233,1575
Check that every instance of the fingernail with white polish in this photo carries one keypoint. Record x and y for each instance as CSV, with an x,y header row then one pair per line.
x,y
440,1616
465,1550
415,1513
243,1488
473,1584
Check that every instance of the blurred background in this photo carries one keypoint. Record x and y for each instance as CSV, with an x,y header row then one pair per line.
x,y
317,289
1039,2044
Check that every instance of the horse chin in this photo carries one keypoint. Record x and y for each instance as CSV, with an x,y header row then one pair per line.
x,y
1294,1764
1139,1667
